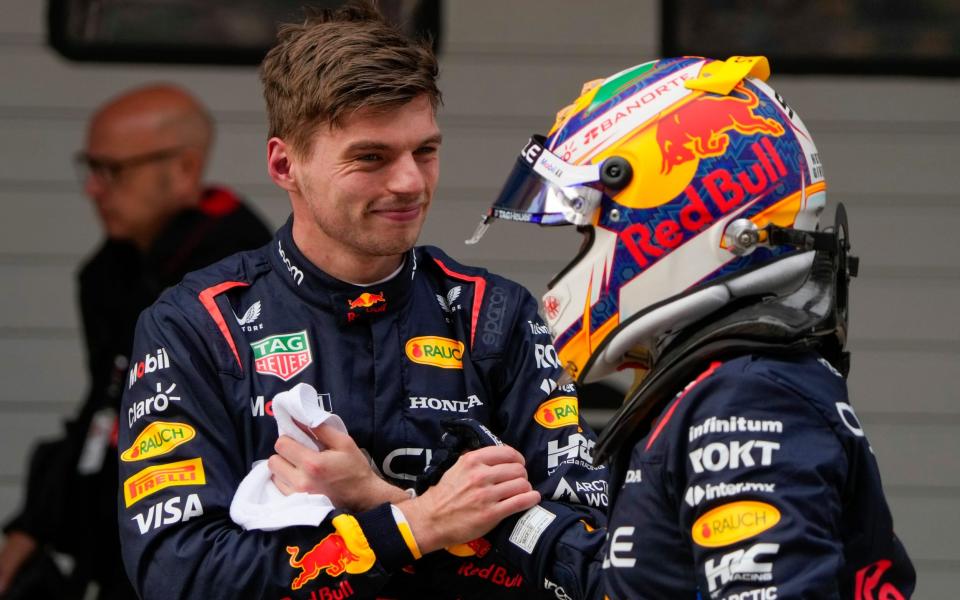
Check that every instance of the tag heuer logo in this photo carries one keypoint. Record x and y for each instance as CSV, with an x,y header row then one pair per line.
x,y
283,355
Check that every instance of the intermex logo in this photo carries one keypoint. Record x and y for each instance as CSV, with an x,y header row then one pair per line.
x,y
157,439
435,351
283,355
160,477
149,364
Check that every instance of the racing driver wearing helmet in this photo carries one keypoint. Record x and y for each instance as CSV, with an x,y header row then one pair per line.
x,y
739,468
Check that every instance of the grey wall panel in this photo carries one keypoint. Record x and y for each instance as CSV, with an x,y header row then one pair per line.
x,y
566,26
44,297
927,539
897,381
232,93
22,18
62,224
905,309
57,362
915,455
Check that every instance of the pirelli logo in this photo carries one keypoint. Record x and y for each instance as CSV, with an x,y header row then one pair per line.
x,y
159,477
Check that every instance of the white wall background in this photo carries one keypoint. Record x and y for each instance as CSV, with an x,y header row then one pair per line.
x,y
890,149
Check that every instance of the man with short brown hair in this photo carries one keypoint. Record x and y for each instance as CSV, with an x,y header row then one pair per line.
x,y
394,339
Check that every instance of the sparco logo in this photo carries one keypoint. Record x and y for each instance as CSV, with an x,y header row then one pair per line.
x,y
492,328
149,364
295,272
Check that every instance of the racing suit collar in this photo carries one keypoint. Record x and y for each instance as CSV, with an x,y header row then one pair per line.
x,y
350,302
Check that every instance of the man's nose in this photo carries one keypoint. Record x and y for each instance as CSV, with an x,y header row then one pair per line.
x,y
406,177
92,185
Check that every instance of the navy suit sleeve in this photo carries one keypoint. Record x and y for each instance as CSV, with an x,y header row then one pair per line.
x,y
760,474
556,543
180,467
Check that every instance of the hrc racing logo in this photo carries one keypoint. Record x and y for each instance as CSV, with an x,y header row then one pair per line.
x,y
346,551
284,355
734,522
157,439
435,351
558,412
149,364
741,565
159,477
577,450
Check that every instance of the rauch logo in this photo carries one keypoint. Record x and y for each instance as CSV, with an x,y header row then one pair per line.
x,y
558,412
435,351
284,355
156,439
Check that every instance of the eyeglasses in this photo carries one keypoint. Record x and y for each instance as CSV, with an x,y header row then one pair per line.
x,y
109,170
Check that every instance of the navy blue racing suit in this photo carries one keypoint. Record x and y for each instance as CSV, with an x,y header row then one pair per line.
x,y
756,482
436,341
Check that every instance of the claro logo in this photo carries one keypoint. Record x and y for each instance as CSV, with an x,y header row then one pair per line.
x,y
435,351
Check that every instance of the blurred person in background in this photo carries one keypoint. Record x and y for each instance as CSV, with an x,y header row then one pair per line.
x,y
142,168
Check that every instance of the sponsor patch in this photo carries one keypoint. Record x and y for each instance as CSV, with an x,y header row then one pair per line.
x,y
734,522
526,533
346,551
159,477
558,412
169,512
284,355
150,363
435,351
157,439
741,565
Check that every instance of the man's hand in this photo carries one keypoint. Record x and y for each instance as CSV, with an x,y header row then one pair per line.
x,y
15,551
341,471
480,490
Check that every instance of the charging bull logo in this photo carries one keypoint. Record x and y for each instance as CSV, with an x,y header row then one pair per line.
x,y
332,555
366,300
698,129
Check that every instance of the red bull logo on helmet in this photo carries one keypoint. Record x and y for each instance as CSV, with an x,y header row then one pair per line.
x,y
698,129
647,242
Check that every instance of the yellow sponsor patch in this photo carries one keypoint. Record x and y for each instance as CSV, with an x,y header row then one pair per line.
x,y
558,412
734,522
435,351
159,477
157,439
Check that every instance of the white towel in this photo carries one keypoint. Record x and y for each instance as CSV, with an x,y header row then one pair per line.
x,y
258,503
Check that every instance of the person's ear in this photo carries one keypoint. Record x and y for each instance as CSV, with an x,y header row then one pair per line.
x,y
281,164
